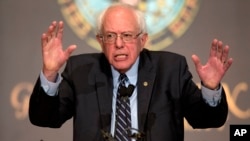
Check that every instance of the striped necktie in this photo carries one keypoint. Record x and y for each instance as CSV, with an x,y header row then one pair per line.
x,y
123,115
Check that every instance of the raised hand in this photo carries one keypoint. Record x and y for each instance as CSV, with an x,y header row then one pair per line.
x,y
52,51
218,63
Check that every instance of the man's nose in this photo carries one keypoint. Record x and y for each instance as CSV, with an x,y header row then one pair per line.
x,y
119,42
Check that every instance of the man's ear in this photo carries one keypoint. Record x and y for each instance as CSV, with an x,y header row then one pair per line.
x,y
144,39
99,39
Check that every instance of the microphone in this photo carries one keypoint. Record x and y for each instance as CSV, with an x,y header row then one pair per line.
x,y
130,89
137,136
107,136
126,91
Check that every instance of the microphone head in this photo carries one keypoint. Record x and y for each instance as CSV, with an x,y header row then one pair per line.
x,y
122,91
130,90
126,91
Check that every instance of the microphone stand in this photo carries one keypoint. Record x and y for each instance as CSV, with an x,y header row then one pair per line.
x,y
137,136
107,136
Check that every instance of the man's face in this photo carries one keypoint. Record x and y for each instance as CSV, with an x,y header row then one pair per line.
x,y
121,55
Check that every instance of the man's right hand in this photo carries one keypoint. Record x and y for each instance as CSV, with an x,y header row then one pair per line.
x,y
53,54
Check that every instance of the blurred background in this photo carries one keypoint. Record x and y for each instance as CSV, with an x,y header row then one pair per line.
x,y
183,26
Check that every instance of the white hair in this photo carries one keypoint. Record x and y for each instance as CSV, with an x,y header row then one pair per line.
x,y
139,16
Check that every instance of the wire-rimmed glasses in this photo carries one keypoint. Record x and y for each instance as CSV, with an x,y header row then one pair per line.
x,y
110,37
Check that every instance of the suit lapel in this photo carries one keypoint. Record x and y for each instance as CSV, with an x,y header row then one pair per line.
x,y
146,78
104,88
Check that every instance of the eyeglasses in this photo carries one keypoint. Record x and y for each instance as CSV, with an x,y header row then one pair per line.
x,y
111,37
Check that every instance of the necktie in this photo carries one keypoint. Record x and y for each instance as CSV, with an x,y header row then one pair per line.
x,y
123,115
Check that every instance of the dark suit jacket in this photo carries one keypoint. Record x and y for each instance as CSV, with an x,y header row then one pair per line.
x,y
86,95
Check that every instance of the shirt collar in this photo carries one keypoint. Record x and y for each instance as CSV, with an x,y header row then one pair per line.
x,y
131,74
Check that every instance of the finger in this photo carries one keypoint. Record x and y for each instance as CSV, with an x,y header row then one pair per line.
x,y
225,53
60,30
196,61
70,49
46,37
213,50
219,50
51,31
44,40
228,63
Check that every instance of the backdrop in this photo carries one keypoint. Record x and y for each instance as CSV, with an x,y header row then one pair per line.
x,y
186,27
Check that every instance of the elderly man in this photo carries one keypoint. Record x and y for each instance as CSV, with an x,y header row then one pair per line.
x,y
126,92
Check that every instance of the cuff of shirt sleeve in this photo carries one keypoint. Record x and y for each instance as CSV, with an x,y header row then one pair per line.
x,y
50,87
211,97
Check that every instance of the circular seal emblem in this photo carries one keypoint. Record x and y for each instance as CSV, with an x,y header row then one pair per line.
x,y
167,20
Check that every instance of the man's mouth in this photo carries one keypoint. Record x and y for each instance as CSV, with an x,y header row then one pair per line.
x,y
121,57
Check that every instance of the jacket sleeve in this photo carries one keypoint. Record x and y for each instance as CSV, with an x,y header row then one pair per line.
x,y
198,113
45,110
